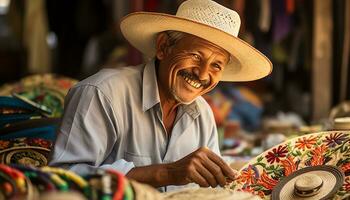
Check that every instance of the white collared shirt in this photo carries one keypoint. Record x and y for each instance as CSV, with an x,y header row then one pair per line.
x,y
113,119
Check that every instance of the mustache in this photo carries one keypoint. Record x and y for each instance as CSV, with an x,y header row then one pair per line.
x,y
204,83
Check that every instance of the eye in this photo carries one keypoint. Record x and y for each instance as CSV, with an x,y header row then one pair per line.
x,y
196,57
217,67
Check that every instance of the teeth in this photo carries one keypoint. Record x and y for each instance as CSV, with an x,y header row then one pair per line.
x,y
192,83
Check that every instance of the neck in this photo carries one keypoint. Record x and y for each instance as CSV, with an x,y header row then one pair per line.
x,y
168,104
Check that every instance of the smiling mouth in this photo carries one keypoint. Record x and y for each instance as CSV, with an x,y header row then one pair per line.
x,y
190,79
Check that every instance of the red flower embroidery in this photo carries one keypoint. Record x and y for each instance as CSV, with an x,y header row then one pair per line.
x,y
318,158
261,194
345,167
288,165
4,144
305,143
346,184
266,181
276,154
247,189
248,175
40,142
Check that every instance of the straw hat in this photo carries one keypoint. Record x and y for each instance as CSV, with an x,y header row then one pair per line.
x,y
318,182
341,123
205,19
318,156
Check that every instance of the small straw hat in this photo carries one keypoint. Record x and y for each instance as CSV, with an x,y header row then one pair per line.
x,y
341,123
205,19
318,182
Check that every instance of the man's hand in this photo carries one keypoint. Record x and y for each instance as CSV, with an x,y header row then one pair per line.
x,y
203,167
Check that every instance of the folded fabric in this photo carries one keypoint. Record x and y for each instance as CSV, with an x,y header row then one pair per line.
x,y
8,103
33,128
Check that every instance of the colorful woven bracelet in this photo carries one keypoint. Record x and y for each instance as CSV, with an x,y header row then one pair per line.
x,y
69,175
128,193
119,192
100,184
7,185
16,175
41,179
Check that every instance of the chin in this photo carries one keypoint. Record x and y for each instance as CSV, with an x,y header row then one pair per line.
x,y
181,100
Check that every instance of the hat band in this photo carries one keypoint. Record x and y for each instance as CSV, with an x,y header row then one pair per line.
x,y
308,193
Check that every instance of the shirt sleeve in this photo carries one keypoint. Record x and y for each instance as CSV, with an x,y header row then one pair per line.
x,y
213,142
88,133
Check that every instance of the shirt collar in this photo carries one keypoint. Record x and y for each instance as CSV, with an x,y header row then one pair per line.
x,y
150,93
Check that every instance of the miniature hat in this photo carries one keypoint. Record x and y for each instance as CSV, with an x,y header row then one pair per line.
x,y
318,182
205,19
320,155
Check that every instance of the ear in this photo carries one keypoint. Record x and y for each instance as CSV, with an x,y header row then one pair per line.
x,y
161,43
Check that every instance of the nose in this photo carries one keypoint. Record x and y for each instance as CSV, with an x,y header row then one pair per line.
x,y
201,72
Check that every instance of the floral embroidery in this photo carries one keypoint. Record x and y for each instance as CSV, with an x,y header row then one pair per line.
x,y
266,181
263,173
288,165
305,143
248,175
39,142
276,154
335,139
346,167
346,185
4,144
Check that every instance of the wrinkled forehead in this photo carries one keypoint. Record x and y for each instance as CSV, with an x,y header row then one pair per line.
x,y
197,41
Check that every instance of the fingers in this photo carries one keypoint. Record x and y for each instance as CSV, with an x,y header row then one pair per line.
x,y
216,172
199,179
226,169
208,175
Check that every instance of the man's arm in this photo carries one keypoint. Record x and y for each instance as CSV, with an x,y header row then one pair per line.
x,y
87,133
203,167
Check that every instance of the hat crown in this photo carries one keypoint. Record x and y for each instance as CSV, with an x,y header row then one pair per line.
x,y
212,14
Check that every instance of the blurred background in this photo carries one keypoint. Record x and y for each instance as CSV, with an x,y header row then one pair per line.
x,y
306,40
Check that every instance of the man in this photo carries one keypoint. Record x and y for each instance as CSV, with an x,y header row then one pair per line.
x,y
150,121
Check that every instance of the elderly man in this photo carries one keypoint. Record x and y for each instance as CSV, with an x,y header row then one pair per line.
x,y
150,121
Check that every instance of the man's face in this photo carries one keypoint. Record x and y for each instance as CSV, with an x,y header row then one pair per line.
x,y
190,68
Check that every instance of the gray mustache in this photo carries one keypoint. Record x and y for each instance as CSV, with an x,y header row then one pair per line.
x,y
204,83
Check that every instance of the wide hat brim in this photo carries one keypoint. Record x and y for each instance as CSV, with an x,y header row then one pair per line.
x,y
141,29
331,176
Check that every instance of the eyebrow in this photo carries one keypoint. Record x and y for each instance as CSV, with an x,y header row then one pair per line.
x,y
217,61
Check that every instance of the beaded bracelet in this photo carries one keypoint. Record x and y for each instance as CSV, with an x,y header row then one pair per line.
x,y
8,186
16,175
118,194
61,184
69,175
32,192
36,176
129,193
100,184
